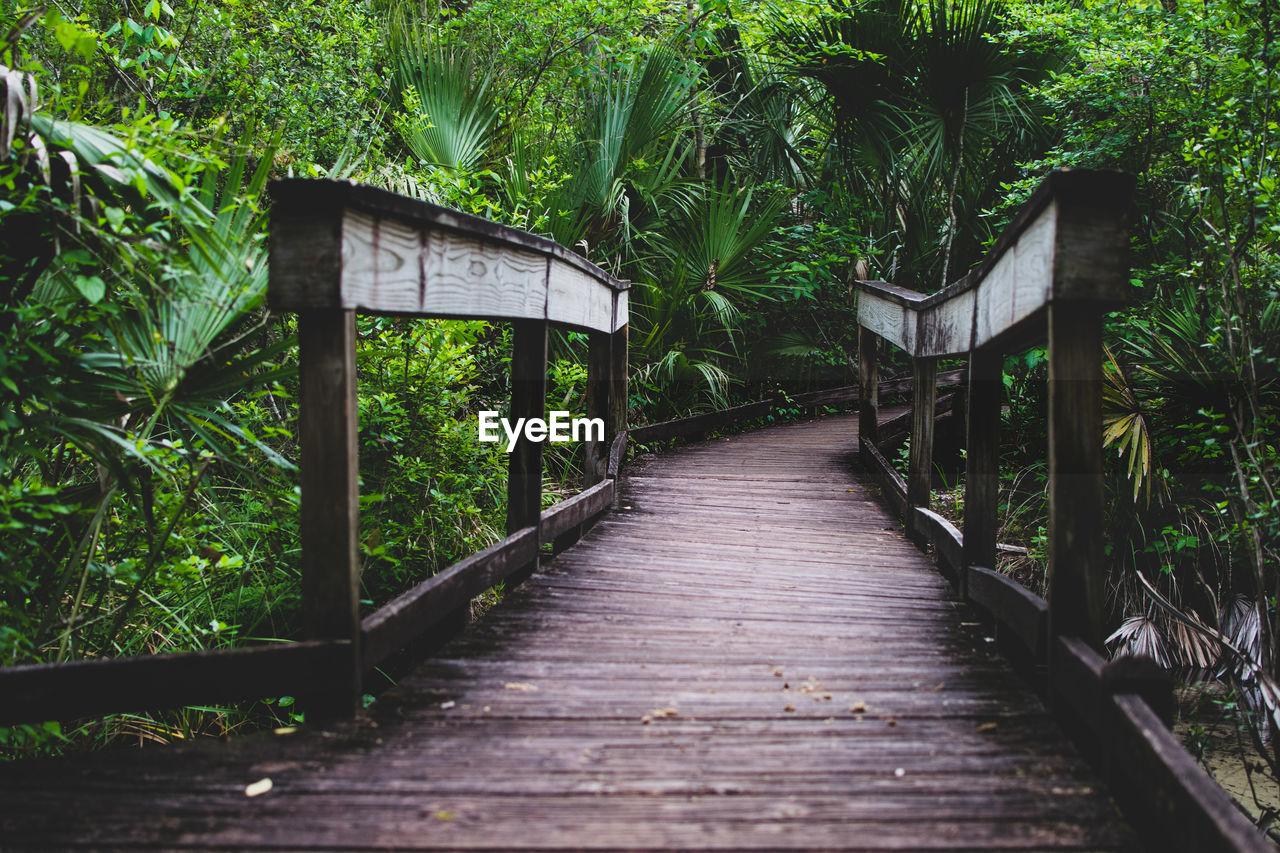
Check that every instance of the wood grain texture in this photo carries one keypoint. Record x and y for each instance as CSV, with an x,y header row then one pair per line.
x,y
328,428
1076,578
868,384
595,461
920,464
33,694
411,614
1068,243
339,245
528,400
747,654
982,459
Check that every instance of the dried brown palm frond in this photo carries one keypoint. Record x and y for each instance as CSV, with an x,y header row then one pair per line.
x,y
1248,667
1192,641
1242,626
1140,636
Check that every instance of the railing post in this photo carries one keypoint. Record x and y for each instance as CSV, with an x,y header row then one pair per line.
x,y
869,385
920,465
528,400
329,433
616,422
599,360
1075,471
982,460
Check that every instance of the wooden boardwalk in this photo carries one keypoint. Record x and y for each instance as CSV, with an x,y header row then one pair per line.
x,y
747,654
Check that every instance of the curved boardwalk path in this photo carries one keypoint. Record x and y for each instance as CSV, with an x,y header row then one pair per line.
x,y
686,676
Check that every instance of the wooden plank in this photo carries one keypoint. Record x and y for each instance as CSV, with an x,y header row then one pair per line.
x,y
575,298
1076,578
528,400
1182,806
886,476
528,730
982,459
413,613
577,510
595,465
1069,242
934,530
619,391
66,691
869,384
388,254
1011,605
330,504
617,452
920,465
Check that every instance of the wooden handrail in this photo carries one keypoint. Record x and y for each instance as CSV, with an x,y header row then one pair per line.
x,y
338,248
1060,264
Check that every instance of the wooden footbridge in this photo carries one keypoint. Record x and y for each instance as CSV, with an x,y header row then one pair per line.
x,y
735,644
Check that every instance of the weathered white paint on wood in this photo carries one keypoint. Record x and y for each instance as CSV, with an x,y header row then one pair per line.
x,y
887,318
1019,284
350,247
621,309
573,297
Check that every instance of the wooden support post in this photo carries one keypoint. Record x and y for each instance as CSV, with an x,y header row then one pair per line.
x,y
595,463
869,382
920,465
982,460
528,400
1075,472
616,422
329,431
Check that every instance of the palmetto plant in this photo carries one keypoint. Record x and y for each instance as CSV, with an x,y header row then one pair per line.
x,y
447,117
687,305
623,155
136,344
928,110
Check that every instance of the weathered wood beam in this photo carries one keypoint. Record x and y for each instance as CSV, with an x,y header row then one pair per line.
x,y
65,691
595,465
567,516
920,463
335,244
1069,242
982,457
868,385
528,400
330,477
1076,495
400,621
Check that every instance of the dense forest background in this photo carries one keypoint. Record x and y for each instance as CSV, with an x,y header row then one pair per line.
x,y
740,161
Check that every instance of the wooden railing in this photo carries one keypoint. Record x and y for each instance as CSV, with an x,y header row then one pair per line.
x,y
338,249
1058,268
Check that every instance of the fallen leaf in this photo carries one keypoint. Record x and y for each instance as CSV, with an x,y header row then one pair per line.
x,y
445,815
255,789
789,708
859,707
987,727
521,686
891,721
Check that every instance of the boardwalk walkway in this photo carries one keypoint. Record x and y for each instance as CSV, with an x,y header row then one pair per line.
x,y
692,674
